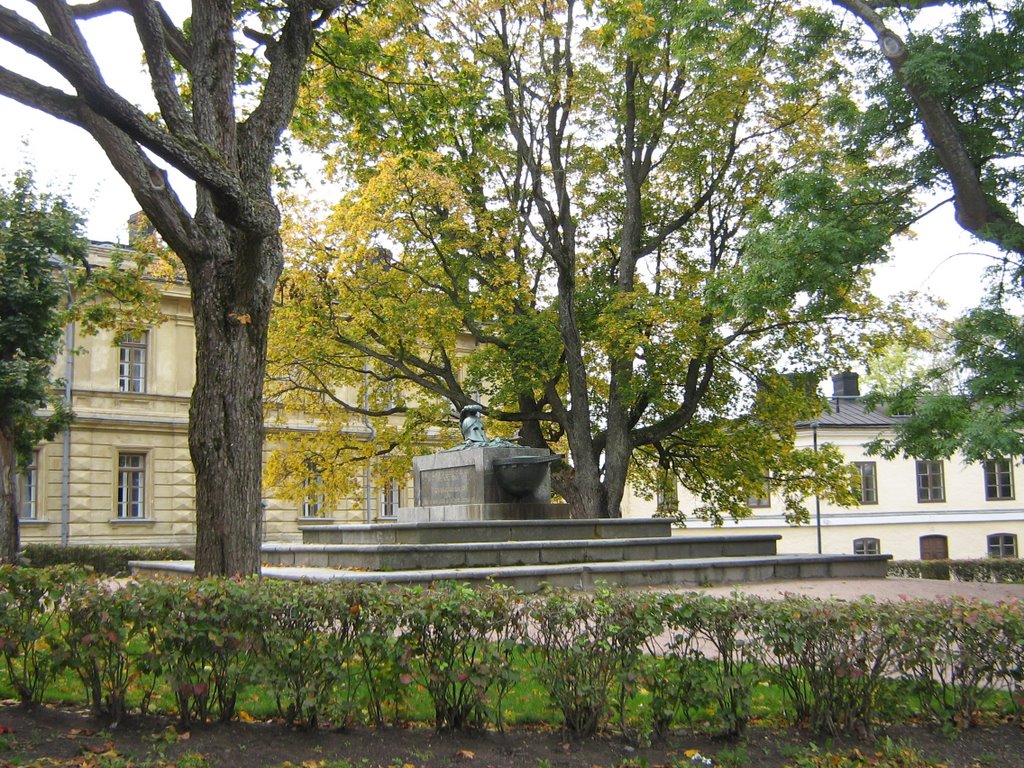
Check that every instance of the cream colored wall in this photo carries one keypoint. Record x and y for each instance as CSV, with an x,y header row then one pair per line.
x,y
898,521
154,423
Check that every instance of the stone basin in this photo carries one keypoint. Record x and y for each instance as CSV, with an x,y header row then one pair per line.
x,y
522,476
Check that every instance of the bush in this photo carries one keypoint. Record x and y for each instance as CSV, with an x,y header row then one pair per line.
x,y
30,605
990,570
104,644
309,646
206,635
831,659
951,655
585,644
105,561
458,642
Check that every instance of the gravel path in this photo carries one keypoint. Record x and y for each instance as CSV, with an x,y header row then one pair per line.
x,y
881,589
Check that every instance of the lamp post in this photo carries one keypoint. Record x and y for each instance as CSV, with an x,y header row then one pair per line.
x,y
817,498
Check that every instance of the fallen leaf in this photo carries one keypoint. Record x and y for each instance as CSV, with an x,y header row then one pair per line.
x,y
6,729
465,754
76,733
98,749
185,736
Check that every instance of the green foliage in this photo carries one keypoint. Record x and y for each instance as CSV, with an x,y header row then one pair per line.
x,y
206,636
30,608
40,235
997,570
586,644
104,643
612,225
458,642
951,654
357,654
832,660
104,561
309,648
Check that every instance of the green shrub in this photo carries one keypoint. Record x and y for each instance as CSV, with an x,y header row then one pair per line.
x,y
988,570
104,641
30,640
309,647
457,644
948,650
831,659
675,672
206,634
105,561
585,645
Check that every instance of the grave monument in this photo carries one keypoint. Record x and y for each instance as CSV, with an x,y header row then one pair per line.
x,y
483,479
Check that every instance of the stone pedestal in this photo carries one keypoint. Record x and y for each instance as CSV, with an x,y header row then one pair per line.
x,y
463,485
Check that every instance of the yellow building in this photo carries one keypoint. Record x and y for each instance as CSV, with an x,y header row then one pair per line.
x,y
122,474
910,509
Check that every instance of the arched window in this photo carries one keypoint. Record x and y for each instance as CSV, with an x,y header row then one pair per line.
x,y
866,546
1002,545
934,547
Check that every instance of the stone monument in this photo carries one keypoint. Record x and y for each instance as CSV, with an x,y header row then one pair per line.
x,y
482,479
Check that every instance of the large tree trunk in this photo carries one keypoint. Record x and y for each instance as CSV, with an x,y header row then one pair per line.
x,y
226,416
8,503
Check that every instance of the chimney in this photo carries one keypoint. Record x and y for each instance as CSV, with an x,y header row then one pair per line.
x,y
846,384
139,228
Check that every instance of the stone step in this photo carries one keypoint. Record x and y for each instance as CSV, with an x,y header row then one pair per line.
x,y
586,576
451,532
408,557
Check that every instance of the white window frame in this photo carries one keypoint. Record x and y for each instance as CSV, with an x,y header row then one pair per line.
x,y
867,491
928,491
132,356
312,498
1002,545
390,498
130,495
28,490
867,546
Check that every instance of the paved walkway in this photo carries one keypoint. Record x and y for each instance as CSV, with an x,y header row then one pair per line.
x,y
881,589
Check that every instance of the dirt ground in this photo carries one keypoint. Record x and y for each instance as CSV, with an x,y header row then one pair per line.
x,y
68,737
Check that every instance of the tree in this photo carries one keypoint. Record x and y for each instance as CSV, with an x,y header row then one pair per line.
x,y
962,80
39,236
959,75
612,223
222,110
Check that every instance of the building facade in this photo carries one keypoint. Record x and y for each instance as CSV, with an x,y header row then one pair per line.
x,y
910,509
121,473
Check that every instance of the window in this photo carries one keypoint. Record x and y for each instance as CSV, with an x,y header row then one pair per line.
x,y
763,500
867,491
998,479
668,493
1002,545
930,486
28,490
390,499
313,499
131,486
131,369
866,547
934,547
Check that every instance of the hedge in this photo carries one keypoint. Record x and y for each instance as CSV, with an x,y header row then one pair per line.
x,y
992,570
107,561
643,661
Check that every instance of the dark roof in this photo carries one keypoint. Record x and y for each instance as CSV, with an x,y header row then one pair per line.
x,y
851,412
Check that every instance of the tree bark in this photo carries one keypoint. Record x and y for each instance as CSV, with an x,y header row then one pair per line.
x,y
976,211
230,247
8,503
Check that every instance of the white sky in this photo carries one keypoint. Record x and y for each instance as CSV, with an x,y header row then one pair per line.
x,y
942,260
